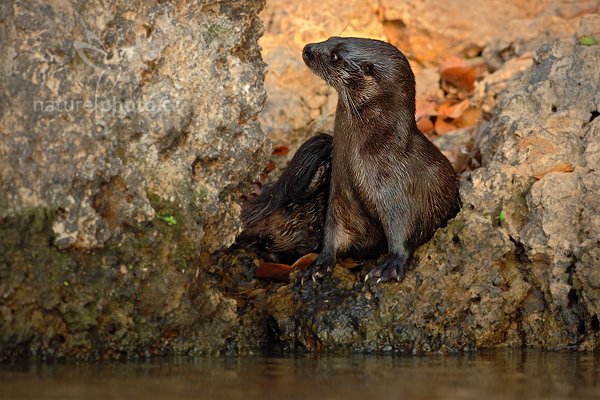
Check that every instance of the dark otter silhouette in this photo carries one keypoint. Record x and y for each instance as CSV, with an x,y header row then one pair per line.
x,y
286,220
389,183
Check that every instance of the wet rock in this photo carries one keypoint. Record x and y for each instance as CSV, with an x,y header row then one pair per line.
x,y
129,132
518,265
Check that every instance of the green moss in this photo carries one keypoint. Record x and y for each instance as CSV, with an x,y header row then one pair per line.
x,y
217,30
169,219
110,301
588,40
502,216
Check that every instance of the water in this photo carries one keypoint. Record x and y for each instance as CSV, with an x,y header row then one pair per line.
x,y
495,375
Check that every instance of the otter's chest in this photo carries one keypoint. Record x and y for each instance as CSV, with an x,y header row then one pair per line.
x,y
354,179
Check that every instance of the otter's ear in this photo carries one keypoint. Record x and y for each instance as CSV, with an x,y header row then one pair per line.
x,y
368,68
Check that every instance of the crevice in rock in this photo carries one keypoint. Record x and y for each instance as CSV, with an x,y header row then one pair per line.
x,y
594,114
595,324
273,340
175,138
573,297
581,328
520,253
570,272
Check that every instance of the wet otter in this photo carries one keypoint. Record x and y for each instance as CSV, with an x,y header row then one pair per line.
x,y
389,183
286,220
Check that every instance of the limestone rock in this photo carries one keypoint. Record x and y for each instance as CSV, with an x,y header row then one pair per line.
x,y
128,134
107,105
428,30
522,36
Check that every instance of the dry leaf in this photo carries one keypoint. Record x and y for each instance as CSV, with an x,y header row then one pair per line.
x,y
349,263
468,118
442,127
453,111
425,125
281,272
277,272
281,151
425,108
453,61
304,261
463,78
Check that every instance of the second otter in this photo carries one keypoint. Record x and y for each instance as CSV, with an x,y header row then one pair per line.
x,y
389,183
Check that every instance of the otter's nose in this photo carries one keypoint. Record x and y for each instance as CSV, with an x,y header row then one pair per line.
x,y
307,52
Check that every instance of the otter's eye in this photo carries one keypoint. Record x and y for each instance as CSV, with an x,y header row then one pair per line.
x,y
334,56
368,69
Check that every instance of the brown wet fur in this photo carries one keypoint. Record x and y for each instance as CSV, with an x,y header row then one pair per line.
x,y
389,184
379,184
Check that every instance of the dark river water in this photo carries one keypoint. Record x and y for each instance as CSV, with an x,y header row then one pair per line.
x,y
494,375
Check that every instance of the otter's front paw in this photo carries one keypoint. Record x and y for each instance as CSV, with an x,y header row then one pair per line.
x,y
322,266
392,268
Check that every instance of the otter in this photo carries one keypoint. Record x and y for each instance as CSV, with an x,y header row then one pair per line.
x,y
286,220
389,186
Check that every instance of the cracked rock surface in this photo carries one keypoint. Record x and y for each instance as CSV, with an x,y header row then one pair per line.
x,y
128,134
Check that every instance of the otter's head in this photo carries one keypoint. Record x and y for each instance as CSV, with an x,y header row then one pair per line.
x,y
363,71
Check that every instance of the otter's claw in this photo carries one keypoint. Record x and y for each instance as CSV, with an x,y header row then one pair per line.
x,y
392,268
316,270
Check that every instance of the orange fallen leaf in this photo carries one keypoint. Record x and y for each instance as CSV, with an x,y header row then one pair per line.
x,y
453,61
453,111
463,78
349,263
281,272
304,261
468,118
560,167
442,127
425,125
280,151
277,272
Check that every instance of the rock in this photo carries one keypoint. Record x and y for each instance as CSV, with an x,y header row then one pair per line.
x,y
147,126
518,265
129,134
110,209
524,36
491,86
429,30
